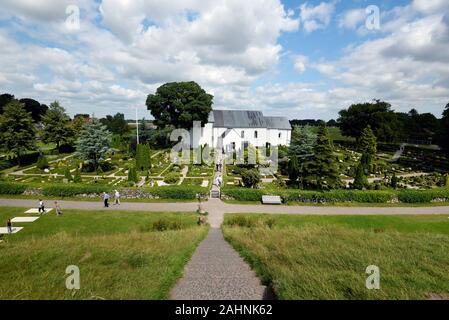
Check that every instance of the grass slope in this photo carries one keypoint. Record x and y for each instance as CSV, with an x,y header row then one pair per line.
x,y
326,257
118,255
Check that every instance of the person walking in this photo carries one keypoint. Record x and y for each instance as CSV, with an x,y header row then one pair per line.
x,y
9,226
58,209
106,199
117,198
41,206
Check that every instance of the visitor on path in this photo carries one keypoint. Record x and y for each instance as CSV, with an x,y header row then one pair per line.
x,y
58,209
9,226
117,198
106,199
41,206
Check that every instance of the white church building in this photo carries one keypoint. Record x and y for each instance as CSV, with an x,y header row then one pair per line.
x,y
234,129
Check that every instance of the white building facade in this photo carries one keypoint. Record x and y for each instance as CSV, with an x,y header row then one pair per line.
x,y
235,129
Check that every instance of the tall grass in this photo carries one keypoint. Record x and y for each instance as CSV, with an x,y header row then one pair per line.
x,y
318,260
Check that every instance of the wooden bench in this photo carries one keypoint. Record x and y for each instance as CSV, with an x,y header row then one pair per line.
x,y
271,200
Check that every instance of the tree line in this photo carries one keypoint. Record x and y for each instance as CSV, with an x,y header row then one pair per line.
x,y
388,125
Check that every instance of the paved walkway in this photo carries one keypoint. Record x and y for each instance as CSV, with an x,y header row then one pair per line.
x,y
217,272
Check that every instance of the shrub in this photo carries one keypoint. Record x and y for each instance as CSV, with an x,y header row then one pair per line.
x,y
165,225
74,190
42,163
133,175
77,176
179,192
171,178
68,174
12,188
251,177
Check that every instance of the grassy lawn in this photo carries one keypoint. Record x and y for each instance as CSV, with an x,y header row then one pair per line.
x,y
119,254
325,257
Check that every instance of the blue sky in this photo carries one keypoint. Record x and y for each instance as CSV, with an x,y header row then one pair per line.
x,y
301,59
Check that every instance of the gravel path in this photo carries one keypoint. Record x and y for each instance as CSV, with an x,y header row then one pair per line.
x,y
217,272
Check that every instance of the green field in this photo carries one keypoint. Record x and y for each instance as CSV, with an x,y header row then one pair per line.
x,y
325,257
120,254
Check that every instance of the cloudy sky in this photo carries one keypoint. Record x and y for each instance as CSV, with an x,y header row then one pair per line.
x,y
301,59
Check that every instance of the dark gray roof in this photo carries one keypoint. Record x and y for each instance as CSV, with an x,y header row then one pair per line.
x,y
247,119
278,123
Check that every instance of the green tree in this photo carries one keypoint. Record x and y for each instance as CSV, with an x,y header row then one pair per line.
x,y
360,181
321,170
250,177
368,146
143,157
68,174
4,100
94,143
443,140
302,142
179,104
57,126
36,109
116,124
77,176
42,162
17,131
133,175
378,115
293,169
394,181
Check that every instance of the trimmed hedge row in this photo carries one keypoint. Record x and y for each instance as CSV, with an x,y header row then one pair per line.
x,y
58,190
12,188
371,196
179,192
73,190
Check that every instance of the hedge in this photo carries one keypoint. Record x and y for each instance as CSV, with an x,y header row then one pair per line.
x,y
74,190
179,192
12,188
371,196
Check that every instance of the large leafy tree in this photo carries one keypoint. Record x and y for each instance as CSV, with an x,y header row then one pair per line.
x,y
116,124
36,109
57,126
179,104
321,170
4,100
378,115
17,131
94,143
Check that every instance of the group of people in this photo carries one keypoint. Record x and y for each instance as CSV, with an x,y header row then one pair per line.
x,y
106,198
41,209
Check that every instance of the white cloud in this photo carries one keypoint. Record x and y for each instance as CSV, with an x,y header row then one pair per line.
x,y
352,19
316,17
300,63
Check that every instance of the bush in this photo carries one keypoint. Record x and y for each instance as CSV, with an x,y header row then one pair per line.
x,y
74,190
42,163
165,225
251,178
179,192
12,188
77,176
133,175
172,178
